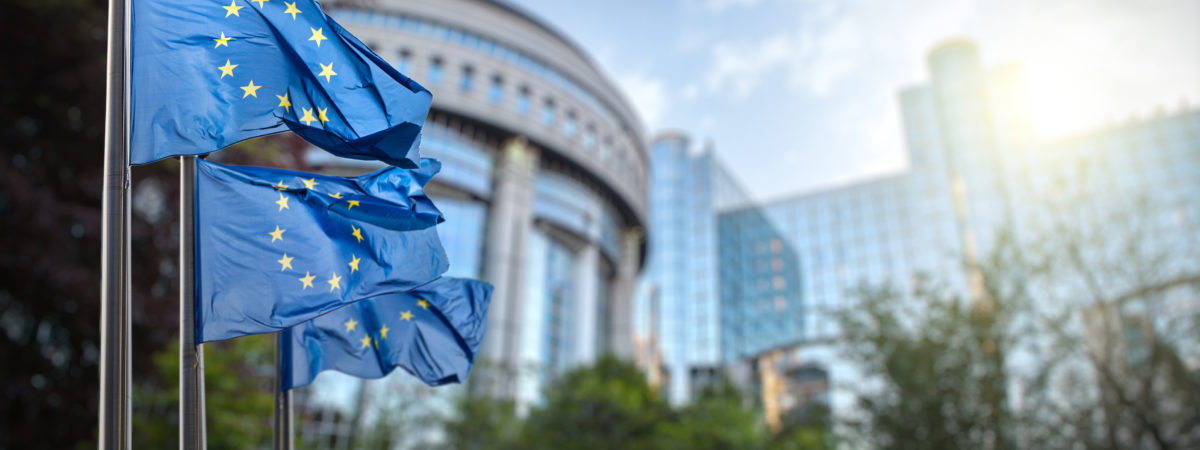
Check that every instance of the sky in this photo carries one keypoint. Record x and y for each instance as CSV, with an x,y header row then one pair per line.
x,y
797,95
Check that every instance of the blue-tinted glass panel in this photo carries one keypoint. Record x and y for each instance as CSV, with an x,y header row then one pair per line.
x,y
496,90
435,71
467,82
548,113
523,101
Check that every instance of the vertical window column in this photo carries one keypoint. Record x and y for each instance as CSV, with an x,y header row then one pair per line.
x,y
467,81
496,89
434,76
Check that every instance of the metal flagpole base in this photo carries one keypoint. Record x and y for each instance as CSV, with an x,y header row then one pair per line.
x,y
115,366
191,355
284,432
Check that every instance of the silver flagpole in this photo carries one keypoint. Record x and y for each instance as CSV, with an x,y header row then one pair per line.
x,y
191,354
115,388
284,432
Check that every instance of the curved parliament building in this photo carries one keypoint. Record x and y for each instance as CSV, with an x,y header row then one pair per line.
x,y
543,182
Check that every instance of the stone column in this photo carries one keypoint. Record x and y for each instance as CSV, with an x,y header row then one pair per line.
x,y
510,217
586,314
621,304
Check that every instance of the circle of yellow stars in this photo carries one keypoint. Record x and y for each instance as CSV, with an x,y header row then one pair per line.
x,y
367,341
308,116
335,281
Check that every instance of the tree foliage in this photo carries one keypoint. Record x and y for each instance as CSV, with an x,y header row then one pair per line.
x,y
1082,336
238,377
609,405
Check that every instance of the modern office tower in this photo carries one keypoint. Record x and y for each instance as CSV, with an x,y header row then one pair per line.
x,y
761,302
543,184
975,170
681,282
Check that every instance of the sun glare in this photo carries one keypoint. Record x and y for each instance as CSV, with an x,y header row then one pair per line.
x,y
1063,96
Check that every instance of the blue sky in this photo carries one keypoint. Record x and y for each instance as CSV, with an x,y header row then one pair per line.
x,y
797,94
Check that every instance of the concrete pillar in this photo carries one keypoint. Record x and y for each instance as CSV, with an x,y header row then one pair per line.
x,y
510,218
621,304
587,305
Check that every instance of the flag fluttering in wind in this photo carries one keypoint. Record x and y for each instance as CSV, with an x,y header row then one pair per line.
x,y
209,73
432,332
275,248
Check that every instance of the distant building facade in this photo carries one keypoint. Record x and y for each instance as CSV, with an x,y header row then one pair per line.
x,y
544,179
975,170
680,292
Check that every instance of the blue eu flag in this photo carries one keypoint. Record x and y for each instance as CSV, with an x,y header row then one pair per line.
x,y
210,73
432,332
275,247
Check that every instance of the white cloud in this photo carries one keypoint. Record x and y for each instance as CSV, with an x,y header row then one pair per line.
x,y
648,94
740,68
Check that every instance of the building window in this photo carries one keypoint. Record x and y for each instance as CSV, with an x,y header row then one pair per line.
x,y
467,82
589,137
569,126
403,61
435,71
523,100
496,90
606,149
548,113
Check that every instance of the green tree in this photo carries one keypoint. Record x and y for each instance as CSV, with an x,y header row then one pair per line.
x,y
479,421
605,406
718,418
238,378
806,428
1083,335
935,358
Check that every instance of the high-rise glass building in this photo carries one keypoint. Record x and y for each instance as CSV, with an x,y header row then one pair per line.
x,y
679,301
543,184
975,170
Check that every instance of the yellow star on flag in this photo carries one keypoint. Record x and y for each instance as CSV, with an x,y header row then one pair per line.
x,y
354,259
260,2
407,315
227,69
352,203
350,324
383,332
336,195
276,235
291,9
310,183
280,186
335,282
222,40
366,341
232,9
285,262
282,202
284,102
307,280
250,89
317,35
308,117
326,71
422,303
357,233
321,115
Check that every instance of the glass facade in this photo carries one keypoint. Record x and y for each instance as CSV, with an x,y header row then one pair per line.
x,y
975,171
761,303
681,280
